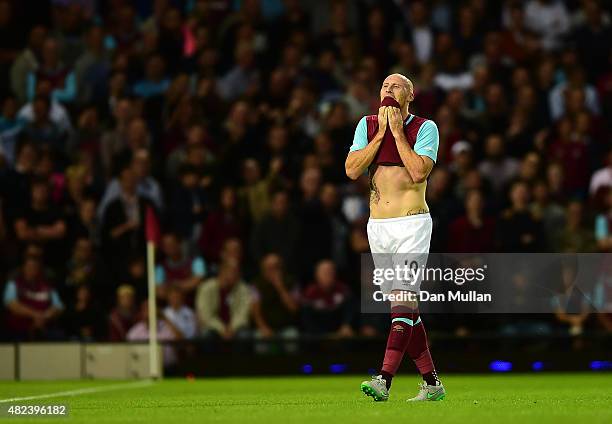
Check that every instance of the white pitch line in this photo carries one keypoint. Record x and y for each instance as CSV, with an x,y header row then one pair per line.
x,y
86,390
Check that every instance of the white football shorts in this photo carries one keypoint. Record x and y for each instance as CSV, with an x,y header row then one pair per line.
x,y
401,242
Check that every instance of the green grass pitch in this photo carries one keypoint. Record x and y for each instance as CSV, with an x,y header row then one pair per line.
x,y
517,399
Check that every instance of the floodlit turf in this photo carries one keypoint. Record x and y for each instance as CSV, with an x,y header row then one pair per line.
x,y
519,399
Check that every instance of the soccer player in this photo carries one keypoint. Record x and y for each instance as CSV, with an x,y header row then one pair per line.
x,y
399,221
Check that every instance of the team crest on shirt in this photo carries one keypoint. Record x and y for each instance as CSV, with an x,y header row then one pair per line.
x,y
398,327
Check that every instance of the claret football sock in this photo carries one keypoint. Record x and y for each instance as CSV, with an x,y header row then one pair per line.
x,y
402,324
418,350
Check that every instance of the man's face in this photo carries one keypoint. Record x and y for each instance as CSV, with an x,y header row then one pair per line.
x,y
31,270
494,147
396,87
128,180
280,205
229,275
82,250
170,246
271,265
49,52
519,195
137,132
141,163
125,300
87,210
40,193
325,275
137,269
175,298
473,202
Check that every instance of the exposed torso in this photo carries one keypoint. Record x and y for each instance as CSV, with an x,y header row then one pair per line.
x,y
393,193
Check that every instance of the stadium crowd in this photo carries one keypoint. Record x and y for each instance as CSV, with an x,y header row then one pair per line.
x,y
232,119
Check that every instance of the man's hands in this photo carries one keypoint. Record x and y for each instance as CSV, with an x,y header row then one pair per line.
x,y
392,117
358,161
228,333
396,122
383,113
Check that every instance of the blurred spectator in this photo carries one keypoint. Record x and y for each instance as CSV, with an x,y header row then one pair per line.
x,y
326,303
497,168
549,212
146,186
336,222
573,236
81,268
114,139
123,316
92,68
42,129
518,230
27,62
166,332
603,226
51,70
593,31
43,112
549,19
220,225
515,36
601,180
179,314
275,305
32,304
570,305
223,304
83,318
178,269
84,222
8,138
473,232
188,202
155,82
420,32
76,180
277,232
16,181
243,78
571,94
571,151
42,223
123,223
255,193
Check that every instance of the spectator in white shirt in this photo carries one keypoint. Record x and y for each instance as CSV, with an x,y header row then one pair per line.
x,y
549,19
421,32
576,80
179,314
602,178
